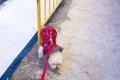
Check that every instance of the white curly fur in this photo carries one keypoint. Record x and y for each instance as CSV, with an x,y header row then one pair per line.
x,y
55,59
40,52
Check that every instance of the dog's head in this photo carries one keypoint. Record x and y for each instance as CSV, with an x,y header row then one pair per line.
x,y
55,60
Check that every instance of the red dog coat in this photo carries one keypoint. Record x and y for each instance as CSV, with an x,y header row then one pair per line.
x,y
48,36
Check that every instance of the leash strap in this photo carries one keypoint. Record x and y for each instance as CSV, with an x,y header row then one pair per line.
x,y
51,33
46,64
45,69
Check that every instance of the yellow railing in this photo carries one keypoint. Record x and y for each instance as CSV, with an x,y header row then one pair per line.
x,y
45,9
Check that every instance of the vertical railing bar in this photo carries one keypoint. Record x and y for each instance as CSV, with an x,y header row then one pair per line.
x,y
49,6
53,4
56,1
44,9
39,20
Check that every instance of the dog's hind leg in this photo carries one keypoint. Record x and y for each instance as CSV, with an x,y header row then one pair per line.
x,y
40,52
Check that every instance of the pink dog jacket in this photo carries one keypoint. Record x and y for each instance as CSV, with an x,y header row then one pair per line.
x,y
48,36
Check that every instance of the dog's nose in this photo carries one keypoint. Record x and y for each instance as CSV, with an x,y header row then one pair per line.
x,y
56,67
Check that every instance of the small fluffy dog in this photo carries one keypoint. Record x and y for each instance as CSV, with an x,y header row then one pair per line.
x,y
55,59
48,37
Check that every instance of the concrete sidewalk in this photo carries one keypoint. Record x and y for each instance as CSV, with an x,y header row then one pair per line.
x,y
89,31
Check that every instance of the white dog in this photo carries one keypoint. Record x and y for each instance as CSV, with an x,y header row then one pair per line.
x,y
55,59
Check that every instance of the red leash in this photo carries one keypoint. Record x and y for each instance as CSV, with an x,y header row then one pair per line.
x,y
48,37
45,69
46,64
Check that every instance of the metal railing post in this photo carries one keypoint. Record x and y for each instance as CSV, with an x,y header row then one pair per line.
x,y
49,6
53,4
39,20
56,1
44,9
